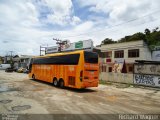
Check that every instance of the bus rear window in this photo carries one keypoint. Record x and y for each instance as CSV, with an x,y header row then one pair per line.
x,y
90,57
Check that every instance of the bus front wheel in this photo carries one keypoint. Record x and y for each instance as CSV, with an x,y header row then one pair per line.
x,y
55,82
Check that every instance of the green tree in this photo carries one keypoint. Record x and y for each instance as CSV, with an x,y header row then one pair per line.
x,y
134,37
107,41
125,39
147,31
155,30
137,36
152,38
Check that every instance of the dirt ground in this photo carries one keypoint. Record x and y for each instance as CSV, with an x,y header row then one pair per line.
x,y
20,95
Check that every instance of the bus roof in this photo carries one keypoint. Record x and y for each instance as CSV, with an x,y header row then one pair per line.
x,y
60,53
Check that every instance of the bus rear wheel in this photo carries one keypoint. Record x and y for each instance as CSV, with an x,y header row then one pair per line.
x,y
61,83
33,77
55,82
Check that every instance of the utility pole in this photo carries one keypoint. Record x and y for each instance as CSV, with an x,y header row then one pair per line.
x,y
11,55
59,43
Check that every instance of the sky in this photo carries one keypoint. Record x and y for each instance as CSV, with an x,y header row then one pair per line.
x,y
27,24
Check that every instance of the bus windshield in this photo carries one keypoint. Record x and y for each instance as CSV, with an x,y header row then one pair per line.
x,y
30,65
90,57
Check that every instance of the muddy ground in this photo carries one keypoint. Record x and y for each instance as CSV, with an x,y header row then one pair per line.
x,y
20,95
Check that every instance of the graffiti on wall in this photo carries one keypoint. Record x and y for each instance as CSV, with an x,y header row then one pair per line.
x,y
118,65
147,69
149,80
139,68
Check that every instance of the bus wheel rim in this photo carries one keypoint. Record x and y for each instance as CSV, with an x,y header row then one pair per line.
x,y
55,82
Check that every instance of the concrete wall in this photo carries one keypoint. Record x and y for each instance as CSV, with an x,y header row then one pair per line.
x,y
122,45
116,77
147,74
156,55
144,74
147,80
150,69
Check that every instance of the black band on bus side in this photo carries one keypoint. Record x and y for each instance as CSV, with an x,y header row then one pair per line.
x,y
72,59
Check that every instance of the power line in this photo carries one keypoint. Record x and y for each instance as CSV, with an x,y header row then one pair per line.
x,y
135,26
114,25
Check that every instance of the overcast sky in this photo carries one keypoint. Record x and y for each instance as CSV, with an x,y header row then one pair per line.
x,y
27,24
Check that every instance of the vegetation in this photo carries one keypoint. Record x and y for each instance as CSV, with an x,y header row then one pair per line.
x,y
151,37
108,41
134,37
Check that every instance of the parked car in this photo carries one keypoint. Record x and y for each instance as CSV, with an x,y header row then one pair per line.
x,y
20,70
4,66
26,71
9,70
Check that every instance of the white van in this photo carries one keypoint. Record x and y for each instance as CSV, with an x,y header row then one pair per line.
x,y
4,66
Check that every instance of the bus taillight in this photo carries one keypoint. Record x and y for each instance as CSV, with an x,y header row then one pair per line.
x,y
81,75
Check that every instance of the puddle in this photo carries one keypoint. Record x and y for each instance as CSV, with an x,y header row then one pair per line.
x,y
122,86
3,88
5,101
7,89
2,82
19,108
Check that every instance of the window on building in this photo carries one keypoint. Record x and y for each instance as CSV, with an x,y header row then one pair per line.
x,y
102,55
103,68
22,60
133,53
130,69
119,54
109,54
105,54
109,69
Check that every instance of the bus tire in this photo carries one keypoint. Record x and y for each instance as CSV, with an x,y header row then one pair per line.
x,y
61,83
55,82
33,77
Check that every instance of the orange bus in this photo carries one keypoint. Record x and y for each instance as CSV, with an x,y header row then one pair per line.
x,y
77,69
